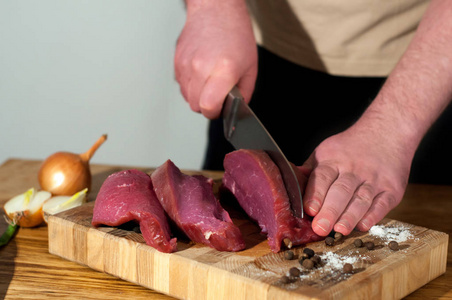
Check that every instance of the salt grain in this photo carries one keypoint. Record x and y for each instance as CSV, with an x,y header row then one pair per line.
x,y
399,234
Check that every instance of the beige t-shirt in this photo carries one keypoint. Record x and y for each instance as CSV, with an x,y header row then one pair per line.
x,y
340,37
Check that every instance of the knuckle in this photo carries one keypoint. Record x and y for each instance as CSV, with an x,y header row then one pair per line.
x,y
183,63
350,218
363,200
227,65
382,205
197,64
328,170
344,187
392,201
324,174
364,196
386,203
331,211
349,177
346,183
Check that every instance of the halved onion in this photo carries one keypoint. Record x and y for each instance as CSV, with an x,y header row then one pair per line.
x,y
25,209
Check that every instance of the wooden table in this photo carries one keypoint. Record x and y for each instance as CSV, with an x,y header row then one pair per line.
x,y
27,270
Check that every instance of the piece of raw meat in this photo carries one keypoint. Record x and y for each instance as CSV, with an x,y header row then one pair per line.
x,y
192,205
256,182
128,195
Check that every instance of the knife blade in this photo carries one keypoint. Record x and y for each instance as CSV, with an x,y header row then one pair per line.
x,y
244,130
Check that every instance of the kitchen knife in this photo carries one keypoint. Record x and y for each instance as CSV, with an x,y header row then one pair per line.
x,y
243,130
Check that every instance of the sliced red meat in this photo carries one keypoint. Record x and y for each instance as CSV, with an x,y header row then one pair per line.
x,y
253,178
192,205
129,196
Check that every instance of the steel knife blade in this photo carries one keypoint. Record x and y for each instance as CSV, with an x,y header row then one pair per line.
x,y
244,130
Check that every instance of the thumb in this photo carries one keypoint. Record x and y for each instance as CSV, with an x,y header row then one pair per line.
x,y
213,95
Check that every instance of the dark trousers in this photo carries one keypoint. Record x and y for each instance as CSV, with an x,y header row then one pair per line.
x,y
301,107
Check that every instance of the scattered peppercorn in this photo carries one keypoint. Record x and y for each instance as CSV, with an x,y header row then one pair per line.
x,y
393,245
304,255
309,252
338,236
308,264
285,279
370,245
329,241
302,258
294,272
288,255
348,268
358,243
316,259
288,243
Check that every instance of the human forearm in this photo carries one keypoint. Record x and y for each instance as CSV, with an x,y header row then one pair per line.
x,y
420,86
359,175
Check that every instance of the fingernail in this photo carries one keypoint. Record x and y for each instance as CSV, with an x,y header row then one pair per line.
x,y
365,224
344,224
324,224
314,207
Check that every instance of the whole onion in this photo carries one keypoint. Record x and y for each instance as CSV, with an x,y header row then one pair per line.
x,y
65,173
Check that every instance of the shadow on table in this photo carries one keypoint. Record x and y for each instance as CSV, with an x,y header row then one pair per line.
x,y
7,262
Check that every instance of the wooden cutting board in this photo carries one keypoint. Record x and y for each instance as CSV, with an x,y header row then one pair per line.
x,y
199,272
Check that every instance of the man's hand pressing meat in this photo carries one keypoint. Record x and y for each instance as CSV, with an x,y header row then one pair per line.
x,y
359,175
215,51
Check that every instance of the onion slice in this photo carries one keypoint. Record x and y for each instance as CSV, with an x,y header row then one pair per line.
x,y
58,204
25,209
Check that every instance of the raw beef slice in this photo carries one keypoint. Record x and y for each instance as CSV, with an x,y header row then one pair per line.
x,y
191,204
128,195
256,182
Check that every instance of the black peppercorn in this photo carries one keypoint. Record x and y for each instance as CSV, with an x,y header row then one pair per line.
x,y
308,264
294,272
309,252
393,245
329,241
338,236
358,243
285,279
348,268
302,258
316,259
288,255
370,245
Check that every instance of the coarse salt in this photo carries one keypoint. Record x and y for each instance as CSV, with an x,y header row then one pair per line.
x,y
399,234
335,261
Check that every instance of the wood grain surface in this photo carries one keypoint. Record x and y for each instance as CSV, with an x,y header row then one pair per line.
x,y
196,271
27,270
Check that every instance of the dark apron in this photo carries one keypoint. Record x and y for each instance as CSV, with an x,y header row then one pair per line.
x,y
301,107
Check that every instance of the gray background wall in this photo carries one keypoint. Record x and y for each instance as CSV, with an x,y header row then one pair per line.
x,y
71,71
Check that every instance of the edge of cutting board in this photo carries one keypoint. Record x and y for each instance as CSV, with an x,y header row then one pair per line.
x,y
199,272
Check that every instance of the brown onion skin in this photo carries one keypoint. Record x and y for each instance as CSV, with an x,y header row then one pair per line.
x,y
75,173
66,173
